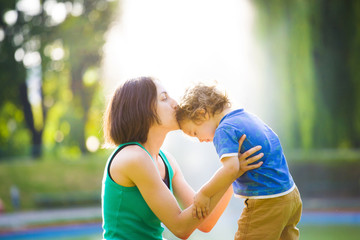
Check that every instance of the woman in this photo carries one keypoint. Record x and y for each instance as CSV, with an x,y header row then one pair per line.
x,y
142,185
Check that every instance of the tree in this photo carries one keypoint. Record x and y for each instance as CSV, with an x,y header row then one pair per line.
x,y
336,41
85,54
36,41
313,51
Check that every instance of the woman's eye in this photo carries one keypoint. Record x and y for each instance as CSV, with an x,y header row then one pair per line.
x,y
163,97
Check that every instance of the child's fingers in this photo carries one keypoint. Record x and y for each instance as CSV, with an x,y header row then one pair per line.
x,y
199,213
194,212
207,211
204,212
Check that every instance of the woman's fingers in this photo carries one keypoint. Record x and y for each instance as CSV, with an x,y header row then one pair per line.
x,y
241,141
250,152
254,158
251,167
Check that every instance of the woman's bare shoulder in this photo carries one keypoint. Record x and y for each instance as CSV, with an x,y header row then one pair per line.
x,y
132,153
172,161
126,163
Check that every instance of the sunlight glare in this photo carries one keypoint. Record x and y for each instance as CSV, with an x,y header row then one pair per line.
x,y
10,17
2,34
57,53
180,42
92,143
29,7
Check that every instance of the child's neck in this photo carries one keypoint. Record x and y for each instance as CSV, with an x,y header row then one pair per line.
x,y
219,116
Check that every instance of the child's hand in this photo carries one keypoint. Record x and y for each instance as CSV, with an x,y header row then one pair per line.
x,y
201,206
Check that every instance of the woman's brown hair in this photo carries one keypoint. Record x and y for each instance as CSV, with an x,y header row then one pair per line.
x,y
131,111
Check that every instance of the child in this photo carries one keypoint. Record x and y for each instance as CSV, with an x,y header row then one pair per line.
x,y
272,201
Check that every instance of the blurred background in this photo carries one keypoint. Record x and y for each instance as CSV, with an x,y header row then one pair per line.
x,y
293,63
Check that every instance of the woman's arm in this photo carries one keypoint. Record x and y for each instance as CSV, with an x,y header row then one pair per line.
x,y
183,192
135,167
139,168
214,216
185,196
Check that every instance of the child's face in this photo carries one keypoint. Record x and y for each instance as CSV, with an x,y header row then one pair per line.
x,y
204,131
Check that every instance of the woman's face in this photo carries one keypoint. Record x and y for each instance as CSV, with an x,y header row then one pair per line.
x,y
166,107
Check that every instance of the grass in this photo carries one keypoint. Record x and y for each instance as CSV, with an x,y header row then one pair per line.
x,y
329,232
50,177
328,156
80,176
57,177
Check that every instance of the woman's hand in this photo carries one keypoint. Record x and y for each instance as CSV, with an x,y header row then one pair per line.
x,y
244,161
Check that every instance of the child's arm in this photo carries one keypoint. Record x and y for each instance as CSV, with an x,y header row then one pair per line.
x,y
222,178
233,167
214,216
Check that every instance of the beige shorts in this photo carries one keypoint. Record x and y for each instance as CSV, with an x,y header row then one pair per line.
x,y
271,219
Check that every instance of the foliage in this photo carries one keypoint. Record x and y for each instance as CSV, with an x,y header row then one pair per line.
x,y
56,50
312,49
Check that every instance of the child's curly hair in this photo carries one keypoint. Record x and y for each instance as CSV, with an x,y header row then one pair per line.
x,y
198,98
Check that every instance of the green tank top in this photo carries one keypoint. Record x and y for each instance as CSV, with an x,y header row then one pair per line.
x,y
125,212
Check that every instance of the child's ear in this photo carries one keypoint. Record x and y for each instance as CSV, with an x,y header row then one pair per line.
x,y
202,113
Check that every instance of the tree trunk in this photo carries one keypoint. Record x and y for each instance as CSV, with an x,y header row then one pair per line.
x,y
36,149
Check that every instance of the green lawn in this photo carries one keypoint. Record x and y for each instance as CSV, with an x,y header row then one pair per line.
x,y
336,232
78,177
51,177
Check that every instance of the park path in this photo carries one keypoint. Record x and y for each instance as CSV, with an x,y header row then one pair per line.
x,y
18,220
316,211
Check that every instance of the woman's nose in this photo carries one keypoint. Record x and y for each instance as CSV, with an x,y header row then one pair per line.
x,y
174,104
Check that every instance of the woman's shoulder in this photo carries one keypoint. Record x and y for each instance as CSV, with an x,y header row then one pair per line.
x,y
172,161
127,162
131,153
168,156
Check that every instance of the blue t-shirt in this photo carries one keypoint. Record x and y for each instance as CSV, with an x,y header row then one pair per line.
x,y
273,177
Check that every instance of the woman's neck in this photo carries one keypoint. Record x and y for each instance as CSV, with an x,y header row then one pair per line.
x,y
155,140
